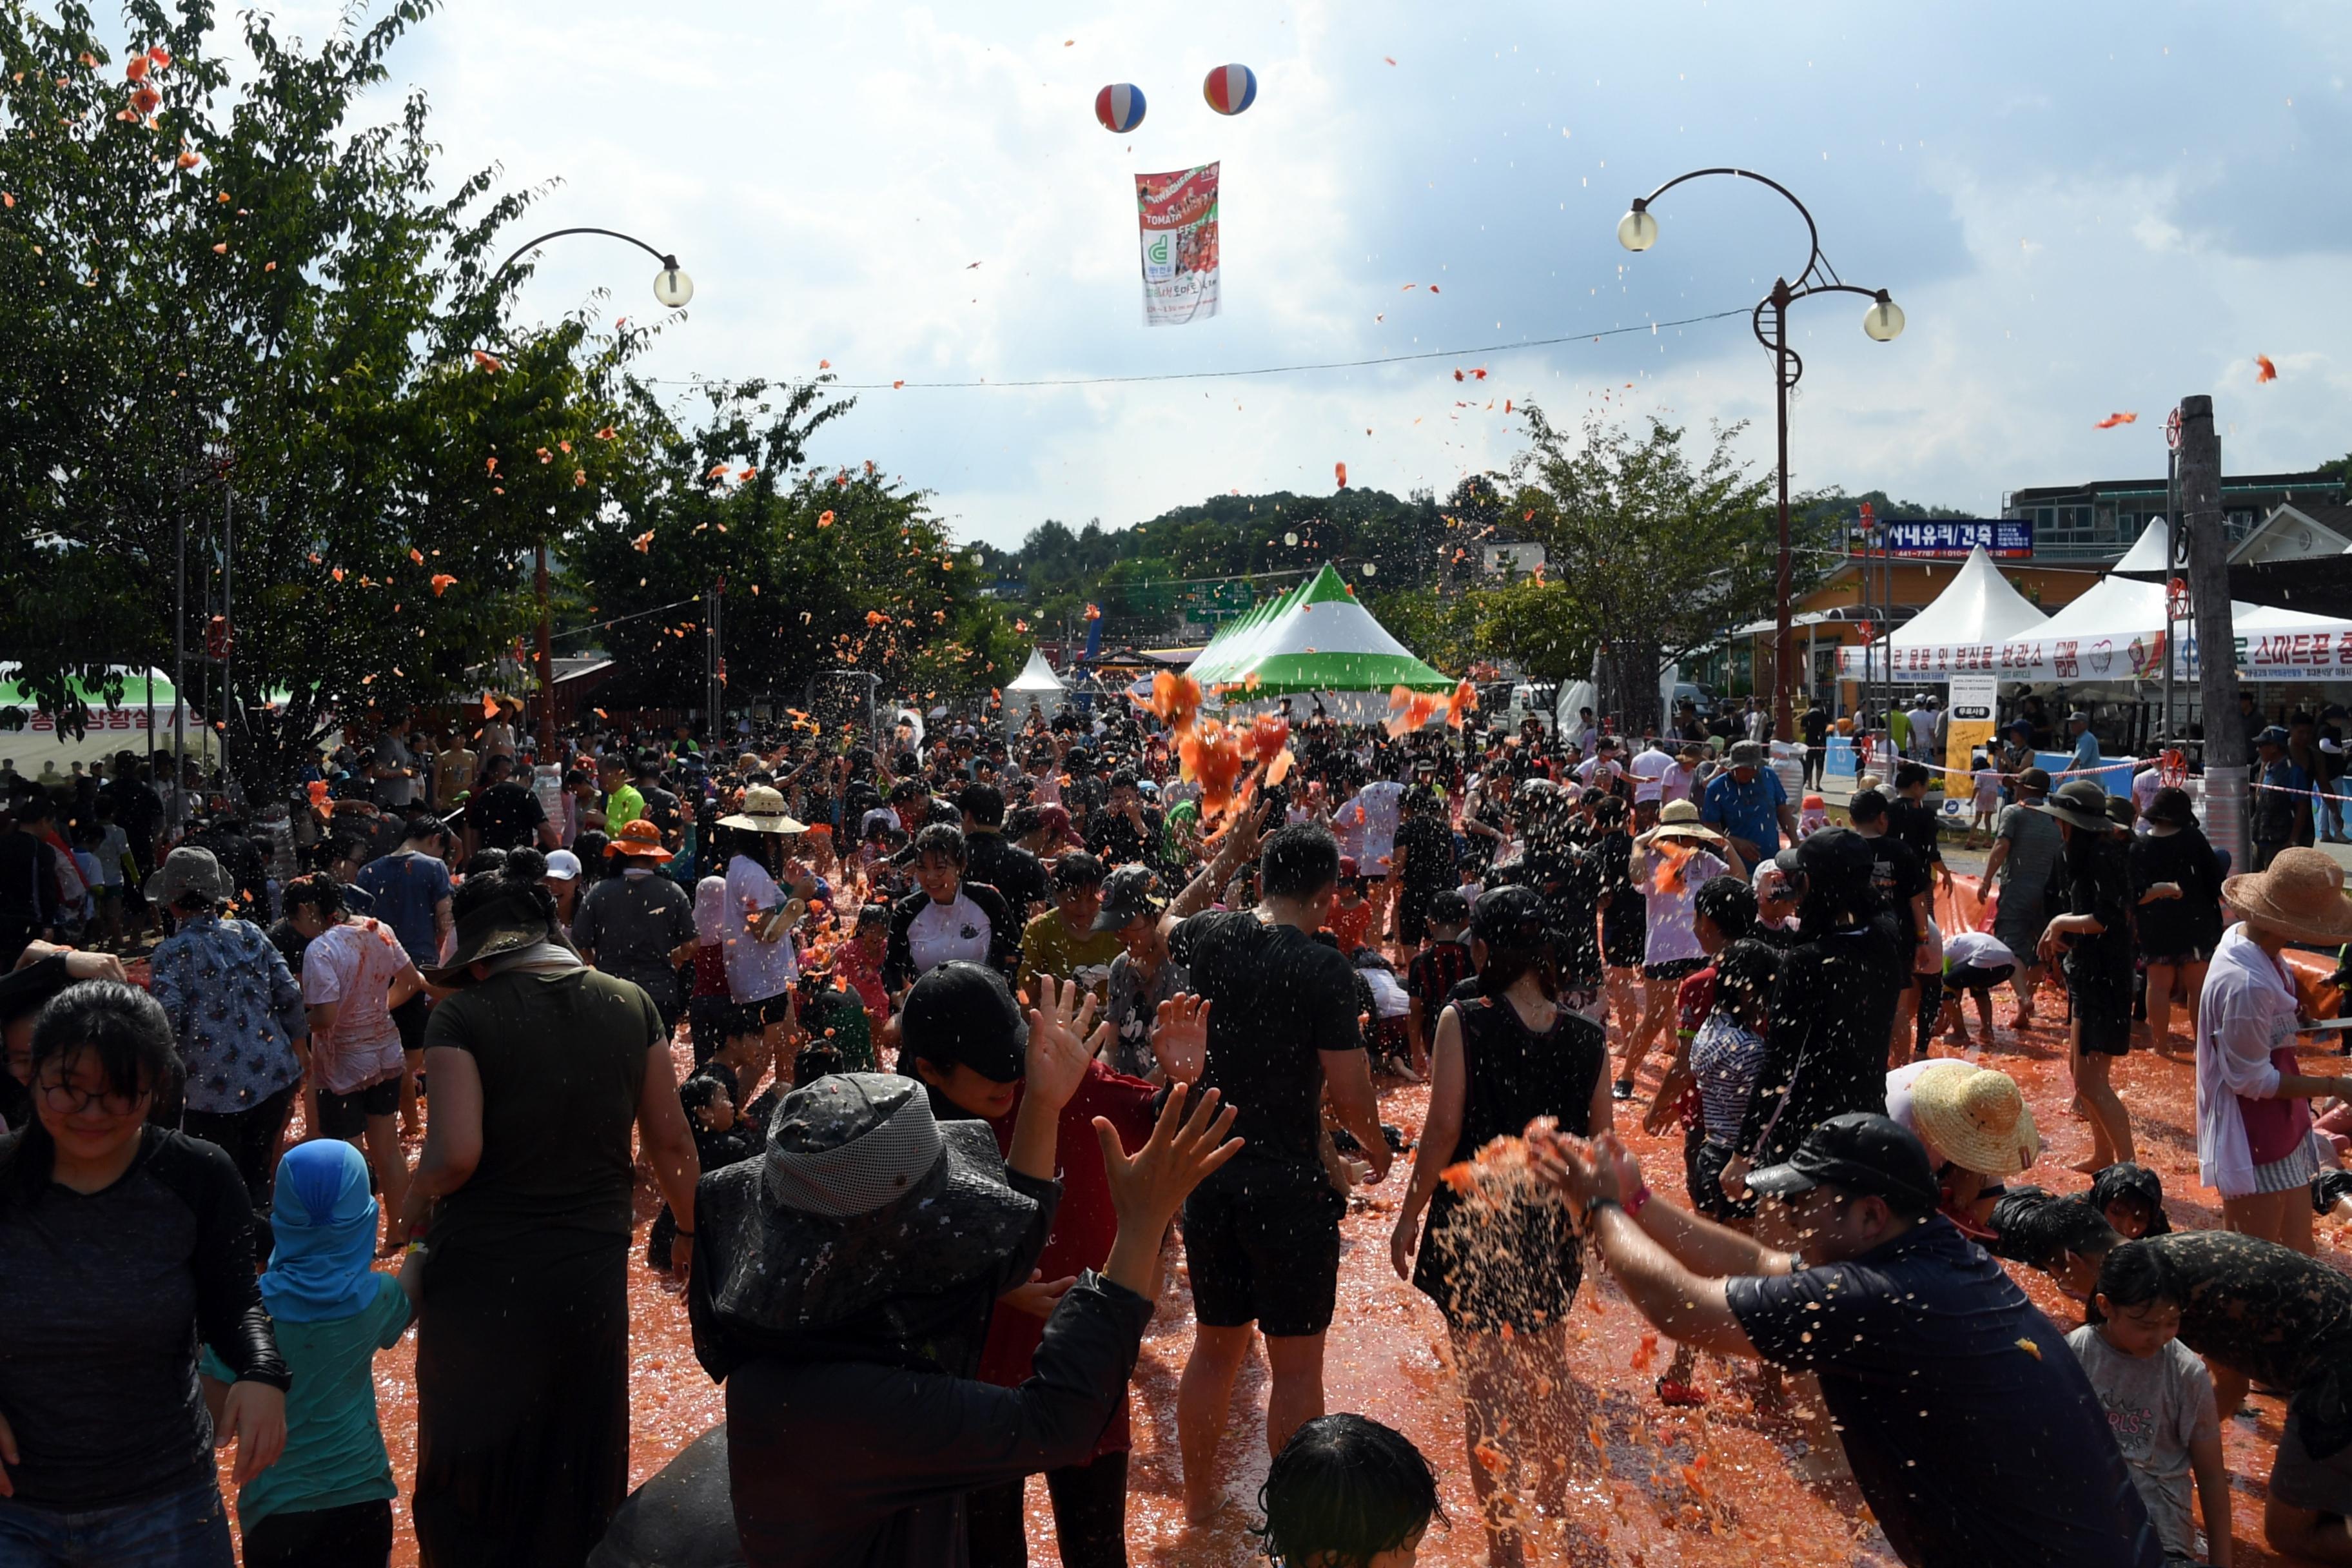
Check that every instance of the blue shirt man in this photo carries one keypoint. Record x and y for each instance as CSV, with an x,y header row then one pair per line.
x,y
1747,802
2086,744
411,891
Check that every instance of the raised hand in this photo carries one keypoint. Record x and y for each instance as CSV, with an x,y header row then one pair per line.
x,y
1148,1187
1180,1036
1059,1047
1039,1297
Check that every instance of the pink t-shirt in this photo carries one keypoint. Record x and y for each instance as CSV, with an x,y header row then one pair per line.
x,y
352,965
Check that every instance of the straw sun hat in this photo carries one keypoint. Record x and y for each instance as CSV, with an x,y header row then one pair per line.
x,y
763,812
1679,819
2302,895
1975,1118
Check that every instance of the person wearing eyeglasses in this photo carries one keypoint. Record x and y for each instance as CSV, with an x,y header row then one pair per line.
x,y
124,1247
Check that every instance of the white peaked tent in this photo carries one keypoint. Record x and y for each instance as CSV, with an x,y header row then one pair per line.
x,y
2116,631
2150,553
1036,684
1977,612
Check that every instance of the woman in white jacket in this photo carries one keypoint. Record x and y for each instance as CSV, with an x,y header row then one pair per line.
x,y
2253,1126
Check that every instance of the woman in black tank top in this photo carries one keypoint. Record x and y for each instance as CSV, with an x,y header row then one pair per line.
x,y
1499,1256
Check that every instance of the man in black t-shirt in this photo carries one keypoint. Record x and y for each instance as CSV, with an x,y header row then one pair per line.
x,y
1902,879
1816,726
1974,1435
1262,1236
505,815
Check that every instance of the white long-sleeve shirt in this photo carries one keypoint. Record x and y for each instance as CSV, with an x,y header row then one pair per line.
x,y
2246,1011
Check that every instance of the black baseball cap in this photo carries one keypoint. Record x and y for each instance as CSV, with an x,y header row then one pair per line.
x,y
1861,1154
1129,894
1833,849
963,1014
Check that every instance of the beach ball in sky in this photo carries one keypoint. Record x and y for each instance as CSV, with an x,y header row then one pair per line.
x,y
1230,89
1120,106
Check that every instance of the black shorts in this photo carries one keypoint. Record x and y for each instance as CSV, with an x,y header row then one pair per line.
x,y
409,1019
1261,1242
770,1010
1969,977
1672,969
2103,1018
346,1115
1703,1164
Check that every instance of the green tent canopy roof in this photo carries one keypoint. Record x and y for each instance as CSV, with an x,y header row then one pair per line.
x,y
1316,637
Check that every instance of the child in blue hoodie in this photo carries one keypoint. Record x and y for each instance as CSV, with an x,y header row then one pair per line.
x,y
327,1503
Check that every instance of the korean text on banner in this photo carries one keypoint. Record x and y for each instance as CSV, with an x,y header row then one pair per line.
x,y
1967,725
1178,214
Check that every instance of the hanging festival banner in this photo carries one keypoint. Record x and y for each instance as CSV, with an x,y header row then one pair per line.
x,y
1178,214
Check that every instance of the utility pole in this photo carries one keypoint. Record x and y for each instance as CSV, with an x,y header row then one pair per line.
x,y
714,666
2226,794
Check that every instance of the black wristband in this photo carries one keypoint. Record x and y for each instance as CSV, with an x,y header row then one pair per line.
x,y
1596,1205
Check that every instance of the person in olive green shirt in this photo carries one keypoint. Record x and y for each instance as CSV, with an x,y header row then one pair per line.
x,y
622,803
1063,941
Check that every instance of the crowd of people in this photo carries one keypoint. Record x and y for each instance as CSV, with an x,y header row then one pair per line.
x,y
980,1029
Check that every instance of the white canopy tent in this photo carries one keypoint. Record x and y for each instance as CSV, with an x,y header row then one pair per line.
x,y
1977,612
1036,686
2116,631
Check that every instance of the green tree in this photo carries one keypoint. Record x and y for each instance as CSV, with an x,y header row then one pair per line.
x,y
822,569
247,329
1651,555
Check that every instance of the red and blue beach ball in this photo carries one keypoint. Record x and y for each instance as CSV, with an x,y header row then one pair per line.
x,y
1230,89
1120,106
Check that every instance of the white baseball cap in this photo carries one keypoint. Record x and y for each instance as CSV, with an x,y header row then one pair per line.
x,y
562,866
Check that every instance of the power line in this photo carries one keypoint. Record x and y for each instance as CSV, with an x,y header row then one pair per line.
x,y
616,620
1650,327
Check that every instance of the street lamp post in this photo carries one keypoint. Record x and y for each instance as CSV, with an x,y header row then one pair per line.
x,y
1883,322
672,288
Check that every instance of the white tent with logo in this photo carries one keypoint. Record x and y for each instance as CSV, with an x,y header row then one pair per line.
x,y
2116,631
1977,612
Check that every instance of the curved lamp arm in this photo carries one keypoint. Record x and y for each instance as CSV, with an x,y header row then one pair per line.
x,y
668,262
1642,203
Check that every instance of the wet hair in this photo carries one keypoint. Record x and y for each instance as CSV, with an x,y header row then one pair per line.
x,y
318,891
2127,1182
526,865
1124,779
1299,861
478,892
1745,971
1450,908
943,839
818,1058
1729,902
872,915
1023,821
1909,773
1834,897
697,1092
1608,811
424,825
1344,1489
2135,1275
1867,805
2171,807
983,803
2039,1228
1077,869
129,1034
487,862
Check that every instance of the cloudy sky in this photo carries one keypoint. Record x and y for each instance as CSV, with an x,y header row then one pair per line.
x,y
2084,209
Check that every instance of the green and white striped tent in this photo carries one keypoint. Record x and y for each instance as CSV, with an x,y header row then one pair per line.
x,y
1314,640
